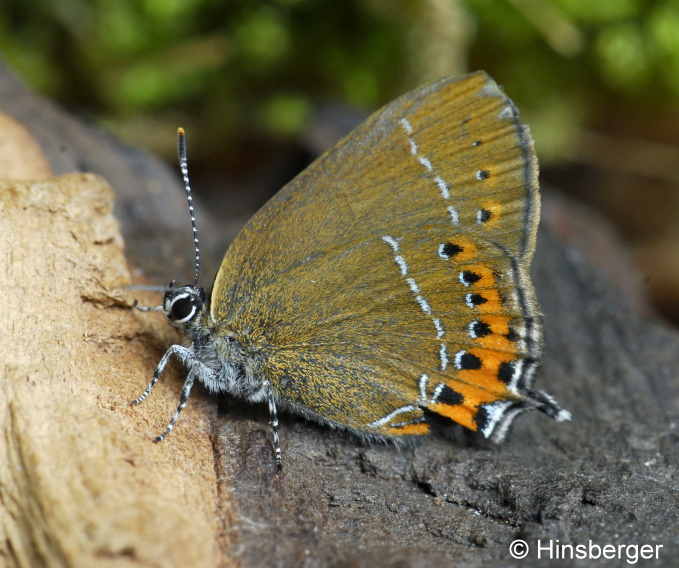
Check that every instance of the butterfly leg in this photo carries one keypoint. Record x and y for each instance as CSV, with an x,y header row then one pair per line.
x,y
183,353
273,413
186,391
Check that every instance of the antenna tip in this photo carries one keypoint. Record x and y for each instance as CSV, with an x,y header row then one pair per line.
x,y
180,131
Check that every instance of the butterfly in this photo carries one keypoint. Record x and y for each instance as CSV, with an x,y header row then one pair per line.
x,y
388,283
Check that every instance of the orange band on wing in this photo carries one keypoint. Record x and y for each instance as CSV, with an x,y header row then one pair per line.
x,y
410,429
493,303
459,413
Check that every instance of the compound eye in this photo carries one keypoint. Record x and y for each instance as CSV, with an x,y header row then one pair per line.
x,y
182,309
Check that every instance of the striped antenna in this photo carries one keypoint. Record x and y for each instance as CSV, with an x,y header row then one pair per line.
x,y
181,148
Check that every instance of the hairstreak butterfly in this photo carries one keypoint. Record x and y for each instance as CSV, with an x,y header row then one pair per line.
x,y
386,284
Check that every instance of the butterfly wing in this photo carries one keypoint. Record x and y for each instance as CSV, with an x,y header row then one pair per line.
x,y
391,276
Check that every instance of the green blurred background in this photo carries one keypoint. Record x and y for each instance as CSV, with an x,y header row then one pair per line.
x,y
262,86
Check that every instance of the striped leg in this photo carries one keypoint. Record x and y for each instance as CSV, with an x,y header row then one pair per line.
x,y
273,413
182,403
184,354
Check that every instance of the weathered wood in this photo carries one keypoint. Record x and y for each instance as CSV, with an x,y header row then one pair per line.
x,y
81,482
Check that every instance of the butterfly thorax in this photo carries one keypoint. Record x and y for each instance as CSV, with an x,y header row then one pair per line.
x,y
219,360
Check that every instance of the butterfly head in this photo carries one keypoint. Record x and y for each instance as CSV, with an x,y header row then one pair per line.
x,y
185,306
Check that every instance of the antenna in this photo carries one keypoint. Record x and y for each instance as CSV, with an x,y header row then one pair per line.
x,y
181,149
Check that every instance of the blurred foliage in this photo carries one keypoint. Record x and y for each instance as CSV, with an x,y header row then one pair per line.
x,y
234,68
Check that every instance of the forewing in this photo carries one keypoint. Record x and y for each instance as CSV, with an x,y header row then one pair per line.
x,y
391,275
